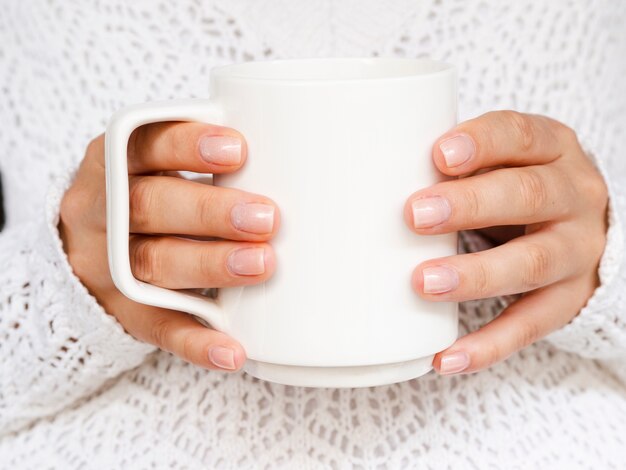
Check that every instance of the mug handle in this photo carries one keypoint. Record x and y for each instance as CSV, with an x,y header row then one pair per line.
x,y
119,129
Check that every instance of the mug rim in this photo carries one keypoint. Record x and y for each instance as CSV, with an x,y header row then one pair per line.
x,y
234,71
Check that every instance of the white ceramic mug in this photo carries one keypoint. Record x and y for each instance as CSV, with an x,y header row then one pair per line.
x,y
339,144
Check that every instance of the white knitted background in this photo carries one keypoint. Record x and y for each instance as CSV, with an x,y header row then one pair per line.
x,y
77,392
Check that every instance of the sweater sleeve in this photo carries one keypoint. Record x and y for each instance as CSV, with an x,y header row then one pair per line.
x,y
57,344
599,330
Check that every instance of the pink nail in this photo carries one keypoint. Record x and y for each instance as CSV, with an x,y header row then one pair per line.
x,y
220,149
253,217
430,211
455,362
440,279
457,150
222,357
247,261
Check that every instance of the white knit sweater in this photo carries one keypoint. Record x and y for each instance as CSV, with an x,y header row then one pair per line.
x,y
77,392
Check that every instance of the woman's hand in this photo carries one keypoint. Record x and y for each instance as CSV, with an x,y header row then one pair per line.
x,y
165,211
532,172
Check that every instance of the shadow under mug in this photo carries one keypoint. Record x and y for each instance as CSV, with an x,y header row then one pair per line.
x,y
339,144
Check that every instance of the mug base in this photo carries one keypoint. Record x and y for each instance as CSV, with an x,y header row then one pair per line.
x,y
341,376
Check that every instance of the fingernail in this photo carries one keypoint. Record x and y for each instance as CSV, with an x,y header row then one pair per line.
x,y
220,149
439,279
222,357
430,211
247,261
455,362
457,150
253,217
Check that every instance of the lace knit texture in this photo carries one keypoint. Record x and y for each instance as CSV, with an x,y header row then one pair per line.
x,y
77,392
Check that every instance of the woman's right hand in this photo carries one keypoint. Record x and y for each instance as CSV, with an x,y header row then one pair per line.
x,y
165,210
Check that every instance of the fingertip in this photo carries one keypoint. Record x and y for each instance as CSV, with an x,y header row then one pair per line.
x,y
251,263
452,361
453,153
438,158
223,149
428,211
269,260
437,361
243,143
248,263
407,213
276,217
417,280
253,217
240,358
229,357
436,281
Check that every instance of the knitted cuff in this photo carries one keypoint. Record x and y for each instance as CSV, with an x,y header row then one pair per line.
x,y
110,346
599,330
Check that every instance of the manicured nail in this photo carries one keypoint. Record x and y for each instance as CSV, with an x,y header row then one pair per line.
x,y
430,211
220,149
457,150
455,362
247,261
222,357
253,217
440,279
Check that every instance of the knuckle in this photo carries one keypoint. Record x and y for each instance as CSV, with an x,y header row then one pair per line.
x,y
159,332
522,127
135,142
538,266
482,133
481,278
473,203
207,265
532,190
599,245
184,135
205,208
179,140
74,206
82,265
594,190
526,334
566,134
95,148
562,192
142,201
188,347
146,260
492,355
599,194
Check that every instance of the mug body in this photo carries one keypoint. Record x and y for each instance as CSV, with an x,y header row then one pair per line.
x,y
339,145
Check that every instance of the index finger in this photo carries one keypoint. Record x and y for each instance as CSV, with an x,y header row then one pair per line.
x,y
187,146
500,138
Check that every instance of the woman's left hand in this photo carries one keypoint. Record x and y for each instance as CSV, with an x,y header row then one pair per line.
x,y
532,172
